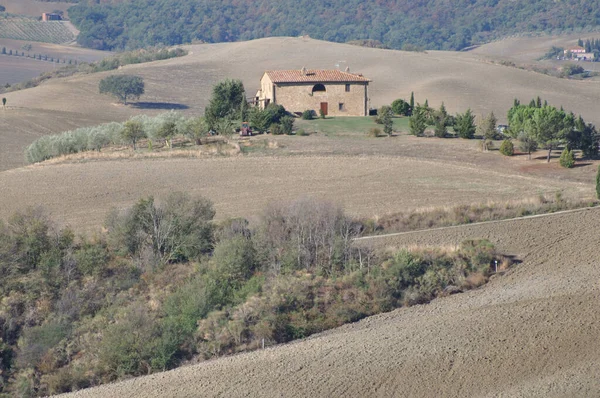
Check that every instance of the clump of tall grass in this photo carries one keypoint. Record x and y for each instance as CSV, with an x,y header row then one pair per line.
x,y
467,214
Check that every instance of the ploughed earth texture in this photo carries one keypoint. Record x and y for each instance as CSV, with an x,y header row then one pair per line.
x,y
532,332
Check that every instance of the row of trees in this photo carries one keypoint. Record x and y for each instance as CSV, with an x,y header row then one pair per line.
x,y
163,283
536,125
39,57
463,124
545,126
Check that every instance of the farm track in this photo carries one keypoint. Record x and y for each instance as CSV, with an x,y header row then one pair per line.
x,y
531,332
450,227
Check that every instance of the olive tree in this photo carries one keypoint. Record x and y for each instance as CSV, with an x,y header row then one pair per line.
x,y
132,131
122,87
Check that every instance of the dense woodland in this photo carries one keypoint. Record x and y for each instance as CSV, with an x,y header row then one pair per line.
x,y
433,24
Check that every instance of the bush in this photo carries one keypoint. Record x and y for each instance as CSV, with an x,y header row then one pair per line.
x,y
507,148
276,129
302,132
567,159
374,132
322,113
308,114
287,125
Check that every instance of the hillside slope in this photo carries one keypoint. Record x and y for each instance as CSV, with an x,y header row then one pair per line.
x,y
461,80
530,333
433,24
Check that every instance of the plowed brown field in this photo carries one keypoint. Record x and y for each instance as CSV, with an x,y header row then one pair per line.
x,y
530,333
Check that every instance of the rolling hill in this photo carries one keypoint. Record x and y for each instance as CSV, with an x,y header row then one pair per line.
x,y
432,24
530,332
460,80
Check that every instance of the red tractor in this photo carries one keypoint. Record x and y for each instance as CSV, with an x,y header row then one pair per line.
x,y
246,131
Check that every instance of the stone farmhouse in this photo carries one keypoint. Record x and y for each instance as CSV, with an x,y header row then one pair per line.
x,y
578,52
47,16
334,92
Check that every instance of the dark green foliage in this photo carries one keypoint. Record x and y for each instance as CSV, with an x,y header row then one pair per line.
x,y
567,159
38,340
133,131
554,52
226,101
544,124
263,120
384,116
401,107
417,123
287,125
440,120
572,69
527,144
122,86
507,148
487,127
307,115
435,24
465,125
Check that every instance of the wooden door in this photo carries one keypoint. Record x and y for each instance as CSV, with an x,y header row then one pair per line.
x,y
324,108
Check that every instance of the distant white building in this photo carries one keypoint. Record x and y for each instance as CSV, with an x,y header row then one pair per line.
x,y
578,52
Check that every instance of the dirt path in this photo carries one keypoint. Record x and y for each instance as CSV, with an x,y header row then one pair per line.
x,y
532,332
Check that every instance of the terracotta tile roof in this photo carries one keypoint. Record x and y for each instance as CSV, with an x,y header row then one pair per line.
x,y
314,76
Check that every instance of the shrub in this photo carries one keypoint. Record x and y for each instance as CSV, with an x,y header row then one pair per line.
x,y
322,113
567,159
507,148
308,114
287,125
302,132
374,132
276,129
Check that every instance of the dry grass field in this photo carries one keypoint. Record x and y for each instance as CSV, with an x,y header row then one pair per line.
x,y
80,194
17,69
529,333
75,53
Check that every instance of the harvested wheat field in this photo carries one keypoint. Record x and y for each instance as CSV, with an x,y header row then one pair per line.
x,y
531,332
460,80
81,192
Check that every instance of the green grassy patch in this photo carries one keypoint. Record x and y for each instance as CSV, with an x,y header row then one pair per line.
x,y
341,125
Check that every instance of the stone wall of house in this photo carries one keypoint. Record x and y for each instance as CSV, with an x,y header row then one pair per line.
x,y
266,87
300,97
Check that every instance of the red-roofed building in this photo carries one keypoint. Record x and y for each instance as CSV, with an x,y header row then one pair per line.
x,y
334,92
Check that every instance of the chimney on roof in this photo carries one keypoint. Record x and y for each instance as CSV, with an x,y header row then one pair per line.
x,y
347,70
303,71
